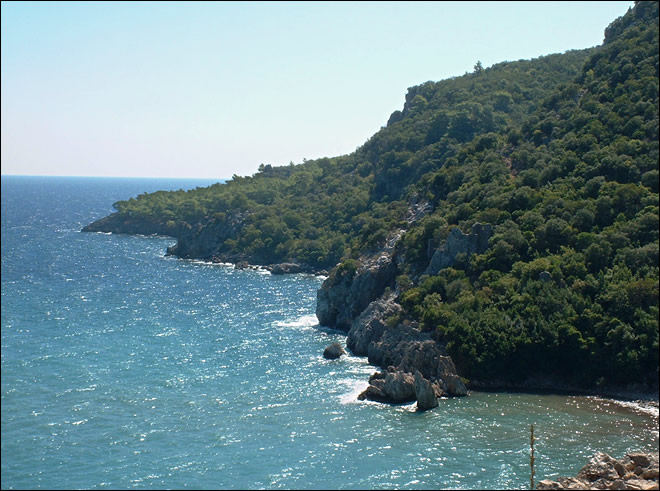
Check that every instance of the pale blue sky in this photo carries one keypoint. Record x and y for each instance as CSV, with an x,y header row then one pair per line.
x,y
211,89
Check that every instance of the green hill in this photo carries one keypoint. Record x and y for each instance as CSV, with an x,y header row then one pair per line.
x,y
558,154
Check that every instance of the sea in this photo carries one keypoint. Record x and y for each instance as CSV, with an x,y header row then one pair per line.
x,y
123,368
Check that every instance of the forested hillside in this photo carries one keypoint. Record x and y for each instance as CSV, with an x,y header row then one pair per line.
x,y
558,154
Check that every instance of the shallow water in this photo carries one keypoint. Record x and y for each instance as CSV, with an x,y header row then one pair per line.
x,y
122,368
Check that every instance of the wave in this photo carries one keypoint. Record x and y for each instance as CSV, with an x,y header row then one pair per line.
x,y
356,387
641,406
303,321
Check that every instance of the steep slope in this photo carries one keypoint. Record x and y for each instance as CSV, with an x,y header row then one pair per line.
x,y
567,292
325,210
509,217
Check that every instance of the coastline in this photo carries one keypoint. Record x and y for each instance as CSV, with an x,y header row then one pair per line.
x,y
637,399
644,399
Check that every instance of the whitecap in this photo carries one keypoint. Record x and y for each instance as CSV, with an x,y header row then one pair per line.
x,y
356,387
303,321
640,406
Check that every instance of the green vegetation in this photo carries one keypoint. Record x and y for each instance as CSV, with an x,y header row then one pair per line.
x,y
559,154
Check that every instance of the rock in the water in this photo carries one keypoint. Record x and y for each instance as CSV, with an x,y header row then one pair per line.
x,y
333,351
392,386
424,393
285,268
453,384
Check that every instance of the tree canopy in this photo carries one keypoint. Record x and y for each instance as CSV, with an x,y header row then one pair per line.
x,y
558,153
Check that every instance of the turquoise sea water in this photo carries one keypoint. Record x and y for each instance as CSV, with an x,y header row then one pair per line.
x,y
125,369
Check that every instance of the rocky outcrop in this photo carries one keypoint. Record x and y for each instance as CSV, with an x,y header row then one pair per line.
x,y
370,325
352,299
333,351
636,470
205,241
285,268
459,243
353,285
410,350
391,386
119,224
403,349
424,393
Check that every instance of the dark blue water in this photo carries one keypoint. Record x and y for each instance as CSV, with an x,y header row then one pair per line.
x,y
125,369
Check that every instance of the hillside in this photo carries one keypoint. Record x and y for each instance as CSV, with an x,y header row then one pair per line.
x,y
511,214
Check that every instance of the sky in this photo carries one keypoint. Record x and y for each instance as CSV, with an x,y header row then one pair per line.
x,y
213,89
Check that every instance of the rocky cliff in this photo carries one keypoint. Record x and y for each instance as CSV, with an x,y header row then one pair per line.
x,y
205,241
119,224
417,367
358,297
354,285
476,242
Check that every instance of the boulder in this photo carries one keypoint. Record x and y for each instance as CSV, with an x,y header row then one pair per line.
x,y
424,393
637,470
392,386
545,276
285,268
333,351
454,386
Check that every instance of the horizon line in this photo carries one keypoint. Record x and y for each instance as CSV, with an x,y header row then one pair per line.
x,y
114,177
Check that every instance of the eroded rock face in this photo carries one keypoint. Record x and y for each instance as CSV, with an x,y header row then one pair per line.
x,y
391,386
424,393
458,243
370,325
637,470
285,268
203,242
404,350
353,299
408,350
345,294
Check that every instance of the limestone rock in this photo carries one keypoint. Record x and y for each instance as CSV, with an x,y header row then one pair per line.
x,y
392,386
545,276
333,351
424,393
601,465
458,243
637,470
406,348
370,325
285,268
345,294
454,386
